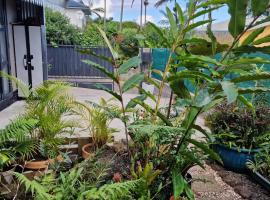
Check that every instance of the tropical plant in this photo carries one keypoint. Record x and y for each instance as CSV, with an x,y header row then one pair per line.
x,y
50,105
261,163
213,79
237,126
121,67
96,118
16,142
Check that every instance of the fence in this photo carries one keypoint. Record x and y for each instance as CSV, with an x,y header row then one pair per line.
x,y
65,63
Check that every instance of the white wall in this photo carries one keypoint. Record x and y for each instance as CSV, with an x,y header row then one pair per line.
x,y
77,17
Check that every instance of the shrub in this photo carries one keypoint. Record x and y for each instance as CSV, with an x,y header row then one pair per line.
x,y
236,126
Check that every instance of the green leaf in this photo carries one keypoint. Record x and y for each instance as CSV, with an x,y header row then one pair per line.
x,y
247,60
173,25
25,89
180,14
251,77
251,90
262,40
203,12
132,103
179,88
202,59
212,104
103,34
259,7
202,98
205,148
203,131
101,68
238,11
251,49
266,19
246,102
127,65
252,36
230,90
195,25
161,34
133,82
212,2
191,74
102,87
152,81
178,184
148,94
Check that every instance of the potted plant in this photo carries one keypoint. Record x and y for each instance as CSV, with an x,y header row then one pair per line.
x,y
50,105
96,120
260,168
239,133
15,145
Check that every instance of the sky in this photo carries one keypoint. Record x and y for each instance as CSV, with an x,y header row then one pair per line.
x,y
153,14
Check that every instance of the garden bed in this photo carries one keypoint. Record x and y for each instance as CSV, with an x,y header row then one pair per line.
x,y
242,184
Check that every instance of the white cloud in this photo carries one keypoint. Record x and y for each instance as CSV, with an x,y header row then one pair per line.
x,y
149,18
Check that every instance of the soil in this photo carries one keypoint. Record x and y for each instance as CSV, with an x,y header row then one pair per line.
x,y
242,184
119,162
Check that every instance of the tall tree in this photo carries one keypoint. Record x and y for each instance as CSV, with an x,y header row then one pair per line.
x,y
121,15
141,16
105,13
146,3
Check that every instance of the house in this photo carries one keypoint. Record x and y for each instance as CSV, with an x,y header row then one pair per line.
x,y
22,46
75,10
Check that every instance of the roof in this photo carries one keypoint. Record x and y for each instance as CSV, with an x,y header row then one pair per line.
x,y
76,4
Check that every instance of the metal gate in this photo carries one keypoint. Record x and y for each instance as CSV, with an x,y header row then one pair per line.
x,y
65,64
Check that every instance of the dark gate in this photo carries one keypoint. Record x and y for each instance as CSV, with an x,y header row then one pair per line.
x,y
65,63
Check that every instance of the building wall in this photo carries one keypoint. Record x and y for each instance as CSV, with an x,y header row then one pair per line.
x,y
265,33
77,17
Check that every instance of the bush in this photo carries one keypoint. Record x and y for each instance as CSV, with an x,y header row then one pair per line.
x,y
236,126
59,30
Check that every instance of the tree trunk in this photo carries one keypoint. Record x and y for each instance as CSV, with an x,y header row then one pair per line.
x,y
105,14
121,16
141,19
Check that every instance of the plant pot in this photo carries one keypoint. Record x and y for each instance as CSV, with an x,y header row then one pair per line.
x,y
86,151
41,164
260,179
235,159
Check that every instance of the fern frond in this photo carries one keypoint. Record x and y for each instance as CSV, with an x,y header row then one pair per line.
x,y
114,191
34,187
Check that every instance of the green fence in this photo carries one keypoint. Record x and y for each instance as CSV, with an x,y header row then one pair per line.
x,y
160,58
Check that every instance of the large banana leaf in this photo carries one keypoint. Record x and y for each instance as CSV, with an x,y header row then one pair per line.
x,y
237,10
